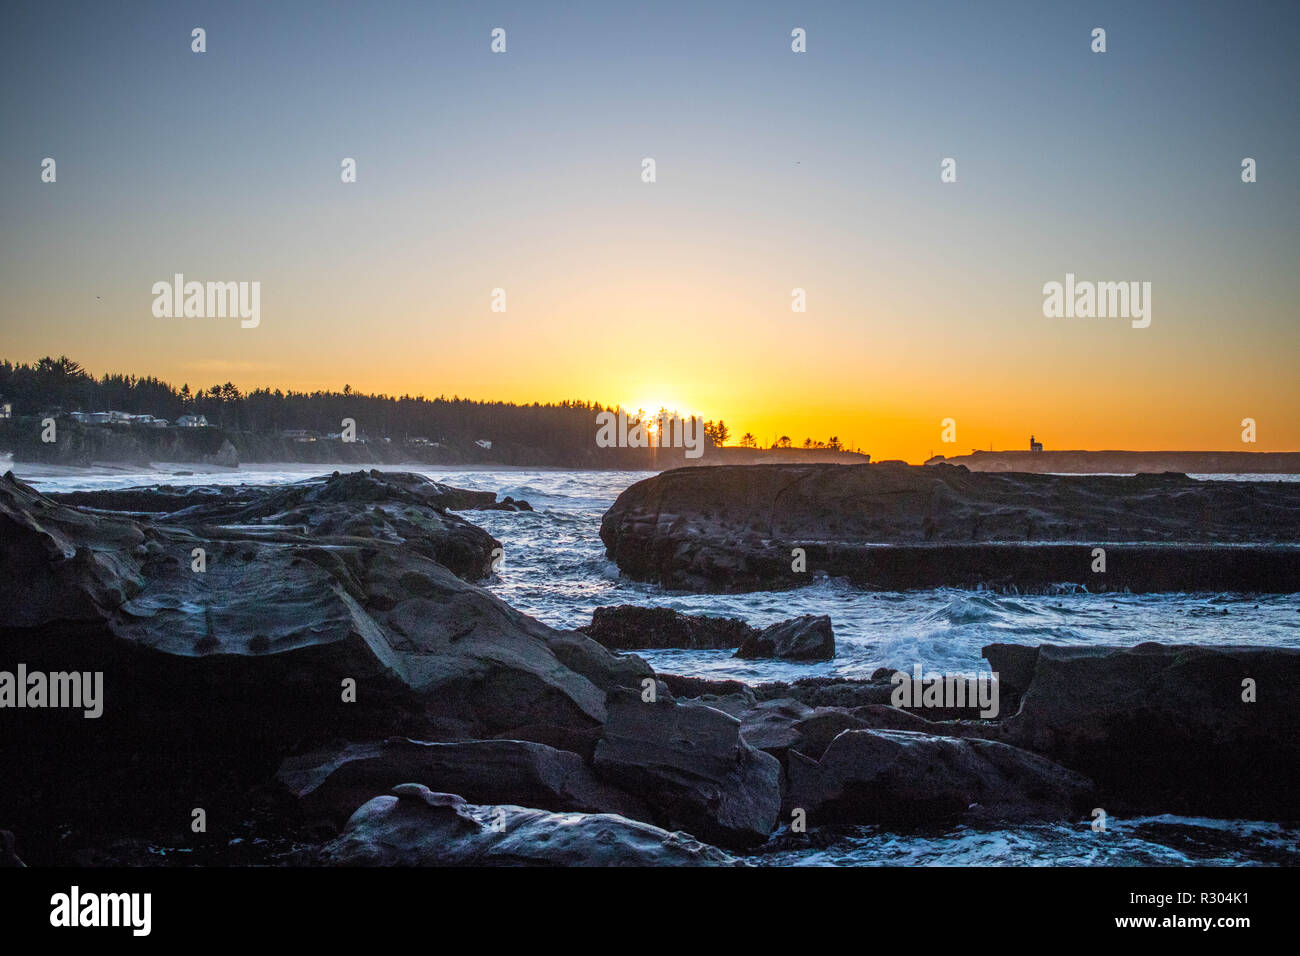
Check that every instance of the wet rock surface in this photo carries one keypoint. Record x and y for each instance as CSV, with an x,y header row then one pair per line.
x,y
335,647
335,781
321,613
905,777
416,827
628,627
806,638
690,763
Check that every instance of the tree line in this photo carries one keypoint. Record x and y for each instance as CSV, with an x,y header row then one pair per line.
x,y
62,385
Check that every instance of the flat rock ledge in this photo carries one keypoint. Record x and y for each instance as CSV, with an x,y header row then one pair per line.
x,y
894,526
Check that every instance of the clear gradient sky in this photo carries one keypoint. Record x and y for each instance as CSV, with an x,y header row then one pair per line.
x,y
775,170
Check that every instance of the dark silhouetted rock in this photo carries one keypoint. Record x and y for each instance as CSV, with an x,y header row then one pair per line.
x,y
879,692
627,627
780,726
421,828
212,677
689,762
8,856
1164,727
334,782
681,686
904,777
806,638
734,527
828,691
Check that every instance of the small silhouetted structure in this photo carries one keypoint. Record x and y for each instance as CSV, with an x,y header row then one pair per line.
x,y
1034,446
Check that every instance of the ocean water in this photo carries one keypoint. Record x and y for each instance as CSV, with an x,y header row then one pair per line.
x,y
555,569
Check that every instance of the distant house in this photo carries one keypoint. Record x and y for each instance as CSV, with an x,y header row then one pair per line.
x,y
192,421
144,421
6,409
1034,446
483,443
118,418
91,418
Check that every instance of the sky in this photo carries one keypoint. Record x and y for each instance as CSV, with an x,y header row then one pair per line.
x,y
774,170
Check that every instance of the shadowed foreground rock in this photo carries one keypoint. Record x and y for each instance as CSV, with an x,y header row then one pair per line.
x,y
381,609
782,725
211,677
734,528
334,782
421,828
904,777
690,763
1164,727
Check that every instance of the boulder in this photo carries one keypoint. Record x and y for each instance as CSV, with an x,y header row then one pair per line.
x,y
886,717
627,627
690,764
781,725
1165,727
417,827
901,777
769,725
805,638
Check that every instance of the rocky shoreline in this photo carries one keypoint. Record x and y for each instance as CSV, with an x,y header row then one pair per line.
x,y
896,527
335,687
